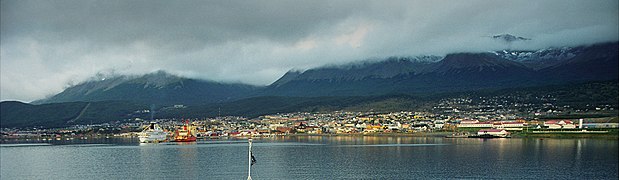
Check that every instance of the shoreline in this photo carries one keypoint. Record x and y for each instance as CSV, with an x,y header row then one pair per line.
x,y
442,134
418,134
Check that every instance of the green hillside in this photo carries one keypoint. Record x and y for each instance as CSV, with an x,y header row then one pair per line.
x,y
17,114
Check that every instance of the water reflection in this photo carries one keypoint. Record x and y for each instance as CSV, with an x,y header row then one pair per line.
x,y
361,140
70,141
578,149
320,157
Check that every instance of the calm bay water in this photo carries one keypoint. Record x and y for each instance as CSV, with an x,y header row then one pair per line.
x,y
316,157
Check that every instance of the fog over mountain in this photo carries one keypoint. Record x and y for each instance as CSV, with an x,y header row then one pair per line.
x,y
46,46
421,75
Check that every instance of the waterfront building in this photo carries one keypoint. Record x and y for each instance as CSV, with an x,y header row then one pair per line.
x,y
475,124
560,124
601,125
509,125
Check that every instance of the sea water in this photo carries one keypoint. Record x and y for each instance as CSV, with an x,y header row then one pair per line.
x,y
315,157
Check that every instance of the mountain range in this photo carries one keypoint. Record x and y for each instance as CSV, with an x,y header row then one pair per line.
x,y
155,88
350,85
455,72
395,75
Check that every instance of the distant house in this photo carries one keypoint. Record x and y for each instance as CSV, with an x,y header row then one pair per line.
x,y
613,124
283,130
373,127
600,125
345,130
469,121
275,126
438,124
475,124
264,131
560,124
300,127
509,125
313,130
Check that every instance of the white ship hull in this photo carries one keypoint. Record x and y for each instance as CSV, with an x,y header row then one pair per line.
x,y
153,133
148,137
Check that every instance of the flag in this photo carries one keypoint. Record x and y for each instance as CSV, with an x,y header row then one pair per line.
x,y
253,159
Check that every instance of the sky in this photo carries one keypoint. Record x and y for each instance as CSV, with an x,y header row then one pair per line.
x,y
49,45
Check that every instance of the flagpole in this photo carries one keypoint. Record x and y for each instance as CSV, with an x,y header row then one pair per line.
x,y
249,161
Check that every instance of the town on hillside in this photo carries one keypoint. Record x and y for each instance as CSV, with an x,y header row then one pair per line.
x,y
447,117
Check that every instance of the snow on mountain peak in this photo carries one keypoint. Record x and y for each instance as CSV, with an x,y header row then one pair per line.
x,y
509,38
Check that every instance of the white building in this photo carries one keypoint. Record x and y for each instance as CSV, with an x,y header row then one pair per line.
x,y
560,124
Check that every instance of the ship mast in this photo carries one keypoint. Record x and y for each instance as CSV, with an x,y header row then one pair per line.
x,y
249,161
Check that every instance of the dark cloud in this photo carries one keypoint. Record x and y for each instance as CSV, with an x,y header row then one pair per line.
x,y
47,44
195,23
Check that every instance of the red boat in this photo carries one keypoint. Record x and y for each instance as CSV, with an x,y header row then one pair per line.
x,y
185,134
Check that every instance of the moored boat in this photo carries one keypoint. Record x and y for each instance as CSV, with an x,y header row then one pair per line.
x,y
488,136
491,133
458,135
152,133
186,133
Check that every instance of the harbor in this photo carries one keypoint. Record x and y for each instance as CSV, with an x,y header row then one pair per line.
x,y
413,124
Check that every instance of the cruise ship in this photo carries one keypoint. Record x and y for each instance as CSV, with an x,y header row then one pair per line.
x,y
153,133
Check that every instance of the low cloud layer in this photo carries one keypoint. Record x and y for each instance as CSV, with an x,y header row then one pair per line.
x,y
49,45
